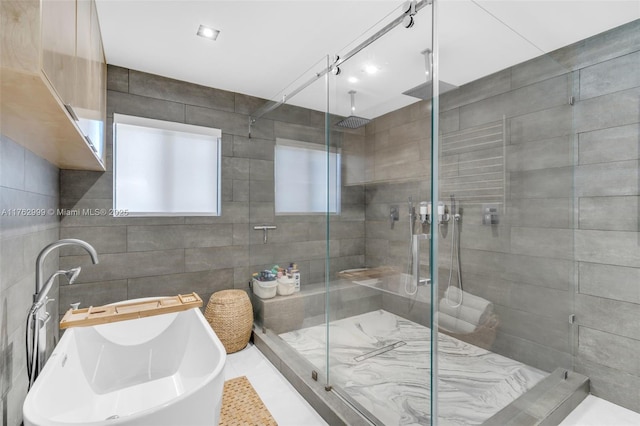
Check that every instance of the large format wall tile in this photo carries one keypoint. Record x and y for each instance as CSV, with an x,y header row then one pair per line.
x,y
610,76
126,265
601,47
609,349
610,282
155,86
148,238
610,144
607,315
542,183
542,242
535,97
96,294
609,247
614,178
26,182
141,106
117,79
610,213
541,125
105,239
615,109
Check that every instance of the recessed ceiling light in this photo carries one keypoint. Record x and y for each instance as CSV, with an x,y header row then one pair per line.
x,y
353,80
370,69
208,32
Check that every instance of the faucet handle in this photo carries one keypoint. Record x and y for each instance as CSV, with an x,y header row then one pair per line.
x,y
75,306
44,318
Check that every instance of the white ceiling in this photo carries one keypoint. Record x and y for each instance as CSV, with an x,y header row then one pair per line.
x,y
266,48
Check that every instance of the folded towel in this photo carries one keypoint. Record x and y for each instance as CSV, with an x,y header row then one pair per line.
x,y
454,325
454,294
464,312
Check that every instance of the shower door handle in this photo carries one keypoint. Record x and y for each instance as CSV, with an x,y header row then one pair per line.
x,y
416,238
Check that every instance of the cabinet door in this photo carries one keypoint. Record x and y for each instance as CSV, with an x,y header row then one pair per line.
x,y
98,93
83,55
98,66
59,46
90,99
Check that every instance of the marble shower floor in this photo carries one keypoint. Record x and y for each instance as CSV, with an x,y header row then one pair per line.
x,y
394,385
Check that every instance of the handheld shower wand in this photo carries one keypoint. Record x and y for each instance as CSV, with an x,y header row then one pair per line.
x,y
35,321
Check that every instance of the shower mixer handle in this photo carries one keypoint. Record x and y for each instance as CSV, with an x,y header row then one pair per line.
x,y
394,215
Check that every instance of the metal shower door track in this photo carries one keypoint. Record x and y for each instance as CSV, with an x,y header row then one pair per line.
x,y
271,105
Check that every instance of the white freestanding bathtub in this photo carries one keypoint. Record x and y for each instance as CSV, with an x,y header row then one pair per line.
x,y
161,370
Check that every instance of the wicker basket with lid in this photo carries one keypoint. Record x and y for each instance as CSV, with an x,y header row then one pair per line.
x,y
230,314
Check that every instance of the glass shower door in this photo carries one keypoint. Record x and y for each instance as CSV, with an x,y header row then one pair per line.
x,y
379,288
505,172
362,316
293,189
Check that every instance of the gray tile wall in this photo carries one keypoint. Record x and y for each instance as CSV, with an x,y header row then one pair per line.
x,y
607,241
26,182
568,241
153,256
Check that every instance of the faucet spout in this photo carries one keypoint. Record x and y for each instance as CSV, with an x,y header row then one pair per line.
x,y
60,243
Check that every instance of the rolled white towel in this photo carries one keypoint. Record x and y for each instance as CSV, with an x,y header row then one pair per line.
x,y
464,312
454,325
454,294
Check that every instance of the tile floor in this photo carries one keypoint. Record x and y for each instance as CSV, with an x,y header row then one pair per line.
x,y
289,408
381,360
286,405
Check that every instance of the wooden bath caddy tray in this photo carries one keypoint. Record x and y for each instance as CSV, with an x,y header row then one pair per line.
x,y
367,274
95,315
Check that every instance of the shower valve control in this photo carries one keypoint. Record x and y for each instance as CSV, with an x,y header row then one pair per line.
x,y
394,214
490,214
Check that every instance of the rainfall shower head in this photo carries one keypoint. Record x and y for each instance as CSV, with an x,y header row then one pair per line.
x,y
353,122
423,91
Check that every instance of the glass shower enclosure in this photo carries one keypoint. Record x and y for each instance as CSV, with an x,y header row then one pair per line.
x,y
415,216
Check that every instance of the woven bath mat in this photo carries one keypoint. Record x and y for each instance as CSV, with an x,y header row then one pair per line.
x,y
241,405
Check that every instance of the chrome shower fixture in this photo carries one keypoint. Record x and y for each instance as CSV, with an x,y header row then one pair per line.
x,y
428,62
40,299
352,93
353,122
441,213
38,316
425,212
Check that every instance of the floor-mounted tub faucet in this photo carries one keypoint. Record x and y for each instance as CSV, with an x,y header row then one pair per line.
x,y
36,342
60,243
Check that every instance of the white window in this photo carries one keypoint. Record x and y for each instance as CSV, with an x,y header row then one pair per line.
x,y
163,168
307,178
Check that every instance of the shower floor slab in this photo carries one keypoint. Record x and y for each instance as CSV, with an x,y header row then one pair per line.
x,y
382,361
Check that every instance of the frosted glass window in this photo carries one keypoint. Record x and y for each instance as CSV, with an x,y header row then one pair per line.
x,y
164,168
301,178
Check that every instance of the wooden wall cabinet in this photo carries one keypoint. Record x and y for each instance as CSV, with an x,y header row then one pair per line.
x,y
53,80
